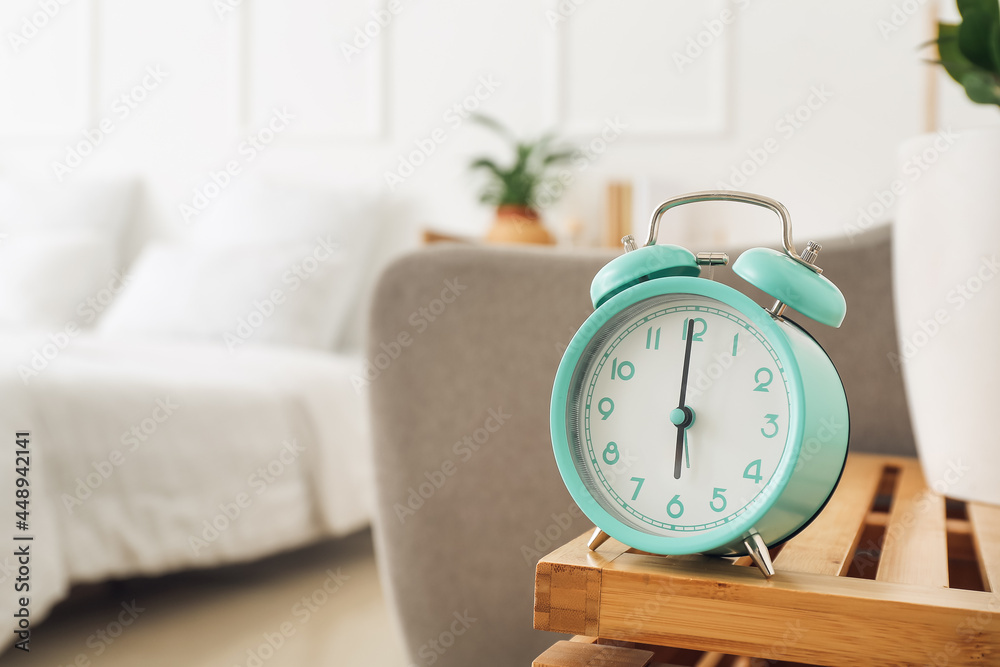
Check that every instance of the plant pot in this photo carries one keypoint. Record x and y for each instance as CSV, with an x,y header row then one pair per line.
x,y
518,224
945,252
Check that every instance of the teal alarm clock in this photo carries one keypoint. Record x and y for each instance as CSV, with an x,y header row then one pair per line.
x,y
685,417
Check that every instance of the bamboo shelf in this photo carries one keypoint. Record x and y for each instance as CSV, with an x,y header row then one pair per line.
x,y
890,573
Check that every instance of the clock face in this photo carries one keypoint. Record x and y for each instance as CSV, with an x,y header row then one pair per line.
x,y
666,467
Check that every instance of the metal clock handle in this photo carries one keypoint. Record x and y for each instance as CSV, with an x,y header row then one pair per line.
x,y
807,258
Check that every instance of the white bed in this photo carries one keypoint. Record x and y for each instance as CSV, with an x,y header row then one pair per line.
x,y
233,456
191,409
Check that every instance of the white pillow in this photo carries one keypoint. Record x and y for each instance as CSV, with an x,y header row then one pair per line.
x,y
248,293
46,280
259,209
59,248
256,209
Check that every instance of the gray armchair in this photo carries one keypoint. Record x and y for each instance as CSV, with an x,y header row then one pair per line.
x,y
464,343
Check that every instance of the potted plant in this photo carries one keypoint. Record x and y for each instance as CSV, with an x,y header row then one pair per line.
x,y
946,234
970,51
515,189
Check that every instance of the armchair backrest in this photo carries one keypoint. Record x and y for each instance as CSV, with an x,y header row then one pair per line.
x,y
463,346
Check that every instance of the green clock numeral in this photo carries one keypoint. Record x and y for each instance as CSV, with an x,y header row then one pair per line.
x,y
717,495
605,406
736,342
675,502
750,474
772,420
696,335
624,370
611,455
762,386
653,340
638,485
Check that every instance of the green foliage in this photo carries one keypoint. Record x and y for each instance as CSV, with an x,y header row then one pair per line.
x,y
970,51
530,172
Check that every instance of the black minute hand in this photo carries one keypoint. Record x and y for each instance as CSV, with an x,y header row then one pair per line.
x,y
682,427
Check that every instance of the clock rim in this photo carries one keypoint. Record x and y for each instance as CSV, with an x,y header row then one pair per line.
x,y
739,527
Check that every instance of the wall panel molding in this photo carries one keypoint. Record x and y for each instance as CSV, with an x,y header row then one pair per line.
x,y
51,79
584,84
349,106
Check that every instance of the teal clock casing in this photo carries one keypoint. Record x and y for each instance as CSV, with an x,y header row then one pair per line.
x,y
614,415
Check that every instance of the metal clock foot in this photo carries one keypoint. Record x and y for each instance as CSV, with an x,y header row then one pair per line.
x,y
598,538
759,553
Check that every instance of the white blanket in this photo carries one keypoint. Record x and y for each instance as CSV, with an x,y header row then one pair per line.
x,y
148,458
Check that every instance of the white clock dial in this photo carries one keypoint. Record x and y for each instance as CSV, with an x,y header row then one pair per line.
x,y
733,425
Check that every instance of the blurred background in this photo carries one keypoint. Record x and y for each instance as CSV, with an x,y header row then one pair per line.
x,y
691,105
197,198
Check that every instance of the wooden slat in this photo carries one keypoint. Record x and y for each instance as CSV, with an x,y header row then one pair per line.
x,y
824,620
825,546
951,526
576,654
806,612
915,545
576,552
709,659
568,586
985,521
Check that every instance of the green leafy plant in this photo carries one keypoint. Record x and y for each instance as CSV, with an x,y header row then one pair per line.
x,y
970,51
531,172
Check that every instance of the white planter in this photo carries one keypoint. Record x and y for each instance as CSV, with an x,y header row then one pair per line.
x,y
946,249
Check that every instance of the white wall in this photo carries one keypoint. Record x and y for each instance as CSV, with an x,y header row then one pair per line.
x,y
687,129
